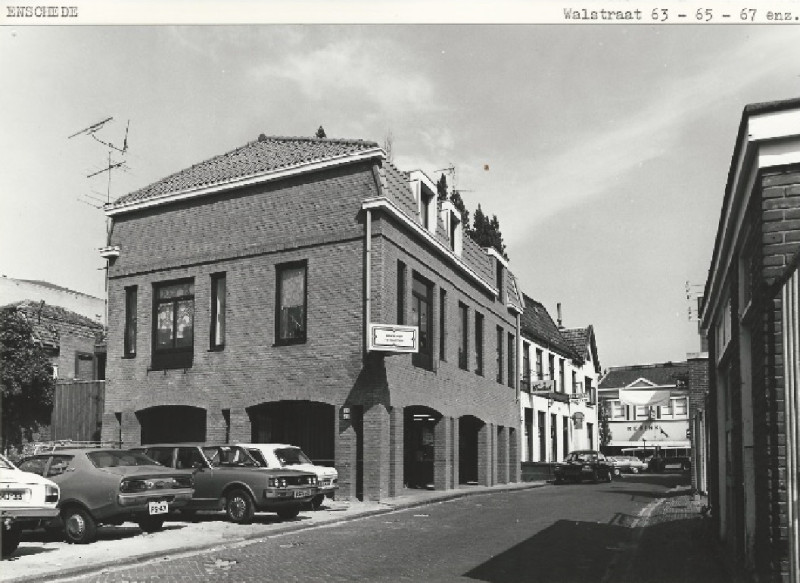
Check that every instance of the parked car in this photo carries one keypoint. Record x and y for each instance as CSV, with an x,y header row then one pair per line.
x,y
279,455
584,464
227,476
661,464
26,501
110,486
627,464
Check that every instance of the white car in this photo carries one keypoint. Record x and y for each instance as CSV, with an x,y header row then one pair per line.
x,y
281,455
26,501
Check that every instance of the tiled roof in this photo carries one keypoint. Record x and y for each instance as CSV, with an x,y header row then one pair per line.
x,y
45,320
52,286
267,154
666,373
537,325
577,338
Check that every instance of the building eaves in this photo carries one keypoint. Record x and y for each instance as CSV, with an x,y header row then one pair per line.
x,y
660,374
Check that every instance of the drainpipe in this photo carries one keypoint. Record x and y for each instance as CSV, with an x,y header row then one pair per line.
x,y
517,360
367,279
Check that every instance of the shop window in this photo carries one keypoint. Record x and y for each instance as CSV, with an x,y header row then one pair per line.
x,y
422,317
291,302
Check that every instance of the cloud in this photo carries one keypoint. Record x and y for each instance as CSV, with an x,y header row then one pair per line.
x,y
356,70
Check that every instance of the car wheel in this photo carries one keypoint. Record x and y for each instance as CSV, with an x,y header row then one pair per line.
x,y
634,470
289,512
608,476
317,501
617,471
79,526
11,538
151,523
239,506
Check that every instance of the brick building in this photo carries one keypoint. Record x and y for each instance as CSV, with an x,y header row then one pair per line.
x,y
241,293
560,368
751,318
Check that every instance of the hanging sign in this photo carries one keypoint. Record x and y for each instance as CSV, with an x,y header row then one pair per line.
x,y
393,338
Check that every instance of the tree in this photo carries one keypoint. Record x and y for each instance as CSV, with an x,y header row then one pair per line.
x,y
458,202
441,188
321,132
26,377
486,232
602,420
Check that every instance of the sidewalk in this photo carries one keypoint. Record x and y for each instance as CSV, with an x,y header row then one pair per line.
x,y
672,543
39,558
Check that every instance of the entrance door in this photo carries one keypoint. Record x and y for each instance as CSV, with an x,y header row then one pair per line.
x,y
542,436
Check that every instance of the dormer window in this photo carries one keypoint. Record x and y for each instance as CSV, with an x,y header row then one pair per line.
x,y
452,222
425,194
425,210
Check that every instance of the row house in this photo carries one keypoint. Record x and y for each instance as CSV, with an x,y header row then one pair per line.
x,y
308,291
751,317
559,372
647,407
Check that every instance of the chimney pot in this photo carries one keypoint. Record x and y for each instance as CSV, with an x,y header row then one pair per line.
x,y
558,310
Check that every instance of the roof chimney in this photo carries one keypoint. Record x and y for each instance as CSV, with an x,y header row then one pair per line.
x,y
558,311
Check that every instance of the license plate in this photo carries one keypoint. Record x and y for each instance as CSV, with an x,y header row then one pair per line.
x,y
302,493
11,496
672,467
158,507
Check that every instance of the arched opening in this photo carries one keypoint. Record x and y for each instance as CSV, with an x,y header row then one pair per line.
x,y
172,424
419,424
468,429
306,424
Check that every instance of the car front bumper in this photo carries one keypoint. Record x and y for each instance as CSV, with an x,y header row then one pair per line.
x,y
139,502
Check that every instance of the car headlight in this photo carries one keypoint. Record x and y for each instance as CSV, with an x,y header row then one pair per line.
x,y
276,482
51,494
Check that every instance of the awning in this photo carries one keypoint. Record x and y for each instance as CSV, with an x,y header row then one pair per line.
x,y
644,397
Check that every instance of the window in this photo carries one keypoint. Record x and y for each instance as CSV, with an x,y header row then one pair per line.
x,y
422,316
680,407
499,279
129,350
499,354
84,366
173,323
565,435
290,303
218,311
526,364
561,375
479,343
575,387
642,411
666,410
539,365
58,465
401,293
551,363
463,336
617,410
425,210
442,327
511,360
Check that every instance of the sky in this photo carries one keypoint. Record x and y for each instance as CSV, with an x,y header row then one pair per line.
x,y
603,150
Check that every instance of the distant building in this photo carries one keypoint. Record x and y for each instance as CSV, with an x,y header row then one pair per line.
x,y
559,372
16,290
648,408
751,315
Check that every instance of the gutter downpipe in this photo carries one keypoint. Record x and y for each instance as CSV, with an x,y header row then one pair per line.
x,y
791,333
367,280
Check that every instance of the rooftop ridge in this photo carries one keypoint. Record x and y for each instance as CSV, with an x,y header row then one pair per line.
x,y
354,141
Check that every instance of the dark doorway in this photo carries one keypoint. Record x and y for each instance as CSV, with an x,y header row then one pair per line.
x,y
306,424
468,429
172,424
418,451
540,416
529,433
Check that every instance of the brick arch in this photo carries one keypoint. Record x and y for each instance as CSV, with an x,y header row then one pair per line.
x,y
309,425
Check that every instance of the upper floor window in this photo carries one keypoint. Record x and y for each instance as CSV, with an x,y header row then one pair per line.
x,y
442,327
526,364
479,343
422,317
129,350
426,203
218,293
511,361
561,375
617,410
551,363
401,293
539,364
499,354
291,302
463,338
173,333
576,388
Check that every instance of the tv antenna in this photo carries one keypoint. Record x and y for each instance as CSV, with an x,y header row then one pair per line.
x,y
92,132
694,293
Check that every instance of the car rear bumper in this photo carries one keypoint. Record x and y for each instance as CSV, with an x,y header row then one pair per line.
x,y
140,502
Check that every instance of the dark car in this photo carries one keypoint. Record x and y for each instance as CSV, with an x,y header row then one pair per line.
x,y
227,476
660,464
627,464
582,465
110,486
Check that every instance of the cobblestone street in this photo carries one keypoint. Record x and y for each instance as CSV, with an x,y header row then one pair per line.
x,y
638,528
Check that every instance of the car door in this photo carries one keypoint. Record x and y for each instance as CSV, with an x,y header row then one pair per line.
x,y
207,491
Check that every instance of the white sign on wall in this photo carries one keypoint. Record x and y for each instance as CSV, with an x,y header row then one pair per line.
x,y
393,338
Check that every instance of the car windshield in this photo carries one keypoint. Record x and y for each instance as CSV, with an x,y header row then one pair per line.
x,y
5,464
584,457
117,458
292,456
228,455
